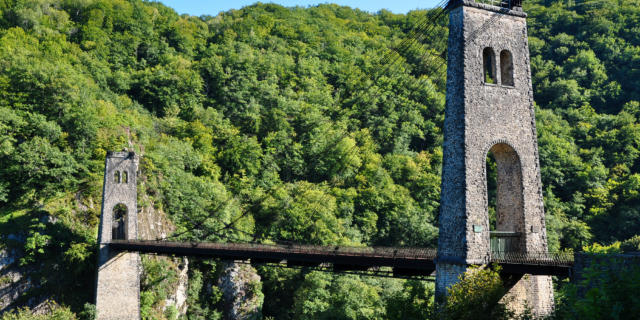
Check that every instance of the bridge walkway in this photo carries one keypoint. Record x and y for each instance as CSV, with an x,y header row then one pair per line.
x,y
404,262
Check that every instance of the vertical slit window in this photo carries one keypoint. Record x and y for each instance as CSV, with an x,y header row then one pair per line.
x,y
506,68
489,65
116,177
125,177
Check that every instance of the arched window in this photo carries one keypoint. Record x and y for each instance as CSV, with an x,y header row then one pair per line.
x,y
489,65
116,177
506,68
118,225
125,177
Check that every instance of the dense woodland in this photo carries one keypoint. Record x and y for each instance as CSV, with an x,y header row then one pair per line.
x,y
271,124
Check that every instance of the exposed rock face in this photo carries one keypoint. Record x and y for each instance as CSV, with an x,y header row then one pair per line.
x,y
178,298
241,291
15,282
12,285
6,259
152,225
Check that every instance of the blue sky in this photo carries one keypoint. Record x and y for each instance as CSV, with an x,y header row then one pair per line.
x,y
212,7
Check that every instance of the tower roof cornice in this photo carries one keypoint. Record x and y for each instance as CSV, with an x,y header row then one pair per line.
x,y
514,11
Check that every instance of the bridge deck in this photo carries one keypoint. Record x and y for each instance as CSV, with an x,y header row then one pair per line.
x,y
403,261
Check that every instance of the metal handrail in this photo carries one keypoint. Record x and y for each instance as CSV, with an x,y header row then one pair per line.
x,y
407,253
534,258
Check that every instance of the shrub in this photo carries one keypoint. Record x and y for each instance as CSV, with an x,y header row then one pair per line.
x,y
477,296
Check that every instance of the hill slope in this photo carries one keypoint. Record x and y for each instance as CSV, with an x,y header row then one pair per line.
x,y
295,124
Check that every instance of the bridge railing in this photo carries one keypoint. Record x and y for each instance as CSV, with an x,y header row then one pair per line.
x,y
381,252
381,256
534,258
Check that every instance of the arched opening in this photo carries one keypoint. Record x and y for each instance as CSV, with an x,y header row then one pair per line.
x,y
492,176
125,177
489,65
506,68
505,199
118,225
116,177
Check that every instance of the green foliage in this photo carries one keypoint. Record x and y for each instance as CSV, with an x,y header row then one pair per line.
x,y
281,122
414,302
202,298
159,277
302,213
171,313
476,296
56,313
600,249
323,296
170,88
587,129
35,243
631,245
605,292
89,312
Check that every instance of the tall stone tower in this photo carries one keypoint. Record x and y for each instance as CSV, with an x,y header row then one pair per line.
x,y
118,281
490,109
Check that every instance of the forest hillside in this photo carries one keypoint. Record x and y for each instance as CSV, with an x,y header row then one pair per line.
x,y
272,124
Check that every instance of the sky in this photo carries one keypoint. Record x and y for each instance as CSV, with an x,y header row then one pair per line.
x,y
212,7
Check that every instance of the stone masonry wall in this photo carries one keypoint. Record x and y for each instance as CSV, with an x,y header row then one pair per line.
x,y
480,117
118,279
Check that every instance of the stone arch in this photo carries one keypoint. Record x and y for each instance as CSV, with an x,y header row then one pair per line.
x,y
119,222
509,229
506,68
489,66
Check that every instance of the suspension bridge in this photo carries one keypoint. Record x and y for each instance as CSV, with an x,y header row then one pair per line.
x,y
399,262
489,109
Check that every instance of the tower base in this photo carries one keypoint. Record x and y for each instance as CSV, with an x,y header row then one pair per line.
x,y
118,287
525,293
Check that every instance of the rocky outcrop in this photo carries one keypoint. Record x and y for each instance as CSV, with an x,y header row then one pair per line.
x,y
154,224
242,291
178,298
12,285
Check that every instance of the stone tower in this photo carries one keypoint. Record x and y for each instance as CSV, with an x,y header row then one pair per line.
x,y
118,280
490,109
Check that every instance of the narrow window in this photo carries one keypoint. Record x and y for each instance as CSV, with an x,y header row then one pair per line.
x,y
118,225
125,177
116,177
488,63
506,68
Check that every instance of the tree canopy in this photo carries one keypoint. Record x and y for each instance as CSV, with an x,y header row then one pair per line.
x,y
291,124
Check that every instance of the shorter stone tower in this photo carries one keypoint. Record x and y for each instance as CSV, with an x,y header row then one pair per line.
x,y
118,280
